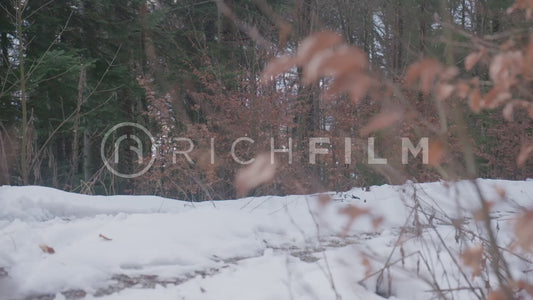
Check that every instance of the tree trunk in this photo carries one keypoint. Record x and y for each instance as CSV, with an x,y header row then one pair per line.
x,y
86,154
21,5
423,26
4,45
75,147
397,43
4,167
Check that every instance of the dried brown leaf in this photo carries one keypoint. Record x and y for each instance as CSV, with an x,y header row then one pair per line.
x,y
316,43
436,153
413,73
463,89
496,96
481,213
497,295
505,67
258,172
335,62
523,285
449,73
367,265
474,100
324,199
285,30
353,212
47,249
473,258
376,222
444,91
526,5
105,238
524,230
473,58
425,71
508,111
500,191
357,85
382,120
427,78
523,156
277,66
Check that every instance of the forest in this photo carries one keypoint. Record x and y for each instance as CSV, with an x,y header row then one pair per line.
x,y
203,74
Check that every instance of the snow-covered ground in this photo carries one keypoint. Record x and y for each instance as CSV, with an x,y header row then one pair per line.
x,y
294,247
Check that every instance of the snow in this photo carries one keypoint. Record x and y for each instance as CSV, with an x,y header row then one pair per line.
x,y
290,247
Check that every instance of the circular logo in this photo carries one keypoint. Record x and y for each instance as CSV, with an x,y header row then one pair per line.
x,y
136,148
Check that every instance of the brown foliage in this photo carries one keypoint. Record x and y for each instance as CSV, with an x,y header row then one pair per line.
x,y
356,99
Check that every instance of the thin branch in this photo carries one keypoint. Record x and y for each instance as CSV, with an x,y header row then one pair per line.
x,y
105,73
38,9
498,260
40,60
7,11
251,31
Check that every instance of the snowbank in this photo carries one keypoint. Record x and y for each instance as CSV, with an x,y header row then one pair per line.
x,y
254,248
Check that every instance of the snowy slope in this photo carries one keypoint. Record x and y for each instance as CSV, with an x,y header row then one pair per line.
x,y
254,248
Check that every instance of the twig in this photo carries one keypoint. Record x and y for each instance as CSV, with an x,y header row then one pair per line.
x,y
498,260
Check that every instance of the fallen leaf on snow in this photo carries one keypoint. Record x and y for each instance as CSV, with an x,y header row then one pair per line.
x,y
47,249
104,237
